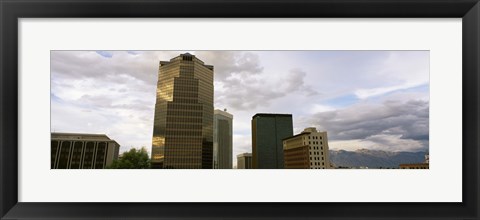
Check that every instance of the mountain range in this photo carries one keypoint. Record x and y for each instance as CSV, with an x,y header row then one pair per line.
x,y
374,158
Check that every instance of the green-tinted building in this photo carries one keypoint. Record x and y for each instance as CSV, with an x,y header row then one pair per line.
x,y
268,130
183,122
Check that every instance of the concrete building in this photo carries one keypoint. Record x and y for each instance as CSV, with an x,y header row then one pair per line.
x,y
82,151
222,139
244,161
268,130
307,150
183,121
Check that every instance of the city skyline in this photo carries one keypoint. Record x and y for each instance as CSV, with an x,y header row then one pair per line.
x,y
363,99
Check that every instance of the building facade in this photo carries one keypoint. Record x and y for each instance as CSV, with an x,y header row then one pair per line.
x,y
222,139
414,166
424,165
244,161
307,150
82,151
268,130
183,121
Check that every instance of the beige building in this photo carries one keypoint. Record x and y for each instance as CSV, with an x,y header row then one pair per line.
x,y
82,151
244,161
307,150
183,120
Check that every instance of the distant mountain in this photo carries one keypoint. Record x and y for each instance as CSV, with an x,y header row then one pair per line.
x,y
374,158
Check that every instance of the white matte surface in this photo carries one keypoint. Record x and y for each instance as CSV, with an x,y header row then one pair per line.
x,y
441,183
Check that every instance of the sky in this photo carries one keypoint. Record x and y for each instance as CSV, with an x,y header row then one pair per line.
x,y
376,100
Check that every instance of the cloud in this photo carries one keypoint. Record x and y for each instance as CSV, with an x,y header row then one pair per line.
x,y
243,92
364,74
393,124
380,142
229,63
391,143
112,66
295,81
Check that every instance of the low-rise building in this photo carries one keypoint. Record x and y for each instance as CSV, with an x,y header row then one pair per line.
x,y
244,161
307,150
82,151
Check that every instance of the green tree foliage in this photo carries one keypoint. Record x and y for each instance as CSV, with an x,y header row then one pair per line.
x,y
132,159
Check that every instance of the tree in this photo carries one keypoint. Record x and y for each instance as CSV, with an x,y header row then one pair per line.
x,y
132,159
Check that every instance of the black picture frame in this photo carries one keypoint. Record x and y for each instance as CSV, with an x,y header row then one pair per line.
x,y
12,10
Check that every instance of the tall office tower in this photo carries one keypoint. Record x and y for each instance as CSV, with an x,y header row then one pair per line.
x,y
222,139
183,122
82,151
307,150
244,161
268,130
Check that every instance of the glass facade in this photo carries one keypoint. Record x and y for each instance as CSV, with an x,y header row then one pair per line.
x,y
222,144
183,121
268,130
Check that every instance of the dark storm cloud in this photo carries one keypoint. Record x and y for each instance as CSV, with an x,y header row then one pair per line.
x,y
408,119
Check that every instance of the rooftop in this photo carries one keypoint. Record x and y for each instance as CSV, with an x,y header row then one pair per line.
x,y
271,115
303,133
244,154
80,136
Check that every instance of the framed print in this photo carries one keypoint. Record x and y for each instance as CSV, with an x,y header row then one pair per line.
x,y
206,109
